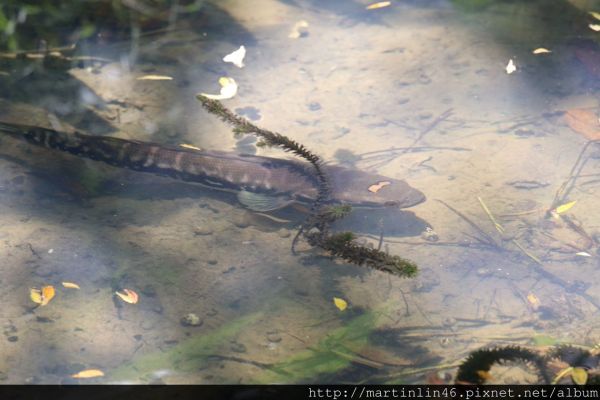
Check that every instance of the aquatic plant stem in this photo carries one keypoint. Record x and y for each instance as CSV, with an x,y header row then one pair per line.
x,y
316,228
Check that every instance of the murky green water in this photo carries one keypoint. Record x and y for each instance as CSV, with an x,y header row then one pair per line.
x,y
416,90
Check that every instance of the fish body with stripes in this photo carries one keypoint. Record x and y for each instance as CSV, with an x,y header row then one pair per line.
x,y
261,183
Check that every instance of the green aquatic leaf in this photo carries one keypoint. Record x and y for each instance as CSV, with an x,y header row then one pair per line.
x,y
545,340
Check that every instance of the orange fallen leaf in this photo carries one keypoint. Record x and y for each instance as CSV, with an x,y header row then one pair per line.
x,y
584,122
485,375
71,285
88,373
129,296
42,296
378,186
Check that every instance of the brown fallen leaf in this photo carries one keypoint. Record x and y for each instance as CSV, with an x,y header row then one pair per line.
x,y
88,373
378,186
584,122
129,296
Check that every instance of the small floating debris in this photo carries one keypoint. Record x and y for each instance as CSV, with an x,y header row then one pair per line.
x,y
510,67
237,57
70,285
380,4
189,146
528,185
594,27
129,296
42,296
229,89
341,304
534,301
583,254
191,319
88,373
541,50
378,186
154,78
300,29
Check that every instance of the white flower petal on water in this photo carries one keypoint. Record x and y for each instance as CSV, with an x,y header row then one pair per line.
x,y
510,67
228,89
237,57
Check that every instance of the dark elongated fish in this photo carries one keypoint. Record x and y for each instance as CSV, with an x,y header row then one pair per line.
x,y
262,183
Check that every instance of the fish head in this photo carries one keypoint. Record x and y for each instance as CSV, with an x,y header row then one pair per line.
x,y
364,189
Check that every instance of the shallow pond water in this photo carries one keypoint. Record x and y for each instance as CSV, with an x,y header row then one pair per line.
x,y
415,90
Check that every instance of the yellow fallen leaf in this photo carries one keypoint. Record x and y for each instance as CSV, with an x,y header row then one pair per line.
x,y
341,304
42,296
154,78
594,27
380,4
228,89
579,376
378,186
595,15
88,373
189,146
35,295
565,207
541,50
237,57
510,67
534,301
298,29
561,374
71,285
129,296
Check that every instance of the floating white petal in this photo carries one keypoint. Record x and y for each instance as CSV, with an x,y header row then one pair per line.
x,y
510,67
237,57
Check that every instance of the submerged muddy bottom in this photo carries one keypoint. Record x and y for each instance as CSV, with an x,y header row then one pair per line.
x,y
410,92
